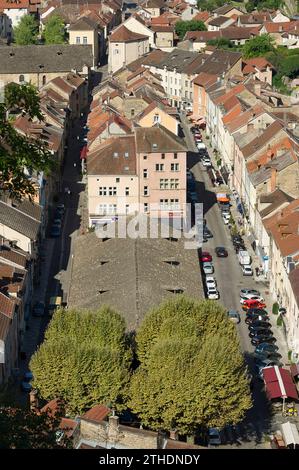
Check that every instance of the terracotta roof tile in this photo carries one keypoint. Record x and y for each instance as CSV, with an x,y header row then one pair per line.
x,y
284,228
7,305
123,34
115,156
259,142
98,413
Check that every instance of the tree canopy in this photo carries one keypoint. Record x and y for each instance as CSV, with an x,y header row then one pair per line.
x,y
221,43
54,32
258,46
181,27
20,155
23,429
210,5
84,360
191,371
26,31
263,5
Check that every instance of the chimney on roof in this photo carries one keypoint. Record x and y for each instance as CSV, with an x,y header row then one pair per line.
x,y
173,435
113,423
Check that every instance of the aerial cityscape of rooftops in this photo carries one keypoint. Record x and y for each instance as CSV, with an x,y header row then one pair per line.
x,y
149,224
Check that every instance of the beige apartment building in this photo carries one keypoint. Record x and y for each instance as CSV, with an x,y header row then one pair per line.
x,y
86,31
125,46
161,166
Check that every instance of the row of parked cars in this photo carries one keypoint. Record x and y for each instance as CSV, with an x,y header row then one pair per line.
x,y
266,352
56,227
208,268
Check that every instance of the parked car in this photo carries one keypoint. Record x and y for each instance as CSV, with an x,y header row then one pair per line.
x,y
226,218
213,293
271,355
207,233
206,161
249,304
258,298
244,257
247,270
249,320
57,223
221,252
210,282
60,208
38,309
26,386
205,256
263,339
208,268
257,333
193,196
234,316
261,363
55,231
214,437
266,347
259,324
28,376
248,293
256,311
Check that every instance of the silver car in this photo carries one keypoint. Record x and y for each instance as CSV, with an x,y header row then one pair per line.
x,y
208,268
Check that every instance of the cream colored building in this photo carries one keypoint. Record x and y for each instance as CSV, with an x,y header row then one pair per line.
x,y
136,25
86,32
125,47
112,179
154,114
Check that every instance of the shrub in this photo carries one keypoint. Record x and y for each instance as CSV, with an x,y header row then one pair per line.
x,y
275,308
279,321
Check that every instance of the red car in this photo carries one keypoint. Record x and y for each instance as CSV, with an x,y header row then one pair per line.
x,y
251,303
205,257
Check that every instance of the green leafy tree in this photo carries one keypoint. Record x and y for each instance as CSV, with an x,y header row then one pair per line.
x,y
26,31
221,43
23,429
84,360
18,152
258,46
54,32
181,27
210,5
263,5
192,372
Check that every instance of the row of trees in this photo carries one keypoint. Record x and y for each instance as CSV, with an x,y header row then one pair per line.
x,y
27,31
190,370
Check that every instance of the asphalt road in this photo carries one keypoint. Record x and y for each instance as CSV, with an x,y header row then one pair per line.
x,y
230,280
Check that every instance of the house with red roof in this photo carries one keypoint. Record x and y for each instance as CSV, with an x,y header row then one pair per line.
x,y
15,10
260,68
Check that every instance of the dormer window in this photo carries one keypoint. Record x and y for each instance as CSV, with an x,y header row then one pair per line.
x,y
155,146
126,154
115,154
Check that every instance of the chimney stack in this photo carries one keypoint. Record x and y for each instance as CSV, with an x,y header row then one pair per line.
x,y
113,422
173,435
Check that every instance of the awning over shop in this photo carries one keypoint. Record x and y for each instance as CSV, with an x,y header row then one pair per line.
x,y
290,434
279,383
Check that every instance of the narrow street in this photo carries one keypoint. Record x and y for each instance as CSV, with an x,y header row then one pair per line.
x,y
230,281
55,274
